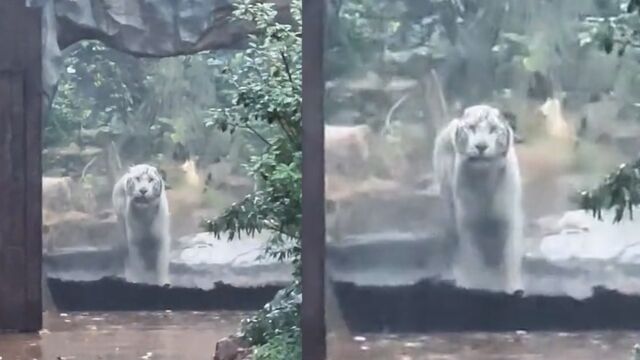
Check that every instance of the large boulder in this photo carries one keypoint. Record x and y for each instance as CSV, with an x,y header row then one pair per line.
x,y
56,194
347,150
63,194
160,28
379,207
71,158
577,235
569,253
201,260
232,348
75,229
79,248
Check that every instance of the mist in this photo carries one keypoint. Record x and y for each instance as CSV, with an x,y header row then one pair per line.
x,y
398,72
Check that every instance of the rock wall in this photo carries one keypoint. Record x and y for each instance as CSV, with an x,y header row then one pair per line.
x,y
159,28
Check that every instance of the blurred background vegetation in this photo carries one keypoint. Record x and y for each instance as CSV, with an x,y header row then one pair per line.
x,y
566,73
401,68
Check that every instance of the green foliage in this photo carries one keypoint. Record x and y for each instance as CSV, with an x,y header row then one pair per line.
x,y
620,190
263,87
145,106
617,29
98,87
364,33
282,347
279,317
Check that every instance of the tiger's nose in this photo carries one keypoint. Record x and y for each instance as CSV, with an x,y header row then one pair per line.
x,y
143,191
481,147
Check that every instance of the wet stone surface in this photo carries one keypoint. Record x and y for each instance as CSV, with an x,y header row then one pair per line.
x,y
566,254
123,335
198,261
579,274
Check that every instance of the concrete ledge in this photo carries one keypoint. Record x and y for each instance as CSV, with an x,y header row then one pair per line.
x,y
113,294
429,306
206,274
400,282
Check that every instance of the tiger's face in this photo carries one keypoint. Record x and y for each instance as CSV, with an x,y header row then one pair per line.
x,y
482,134
144,184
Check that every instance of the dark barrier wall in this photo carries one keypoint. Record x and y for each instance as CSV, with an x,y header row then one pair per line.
x,y
20,170
313,224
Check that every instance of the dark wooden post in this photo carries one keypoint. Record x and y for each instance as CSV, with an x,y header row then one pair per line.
x,y
313,222
20,167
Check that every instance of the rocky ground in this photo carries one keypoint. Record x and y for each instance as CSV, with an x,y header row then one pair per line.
x,y
84,249
568,253
198,261
384,246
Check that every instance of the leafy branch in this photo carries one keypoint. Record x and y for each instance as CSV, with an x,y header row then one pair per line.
x,y
620,190
265,97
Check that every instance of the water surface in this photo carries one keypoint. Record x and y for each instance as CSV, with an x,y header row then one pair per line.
x,y
123,335
599,345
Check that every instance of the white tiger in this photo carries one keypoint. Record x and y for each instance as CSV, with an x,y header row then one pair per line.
x,y
140,202
477,170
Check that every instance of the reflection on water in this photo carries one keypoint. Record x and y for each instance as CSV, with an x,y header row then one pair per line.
x,y
485,346
123,335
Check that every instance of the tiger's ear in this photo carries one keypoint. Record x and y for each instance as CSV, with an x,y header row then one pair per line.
x,y
510,139
458,136
453,125
163,175
129,185
510,118
154,171
158,186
